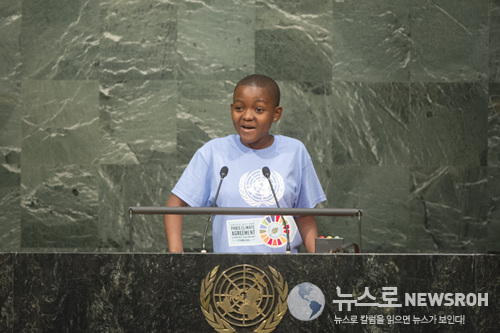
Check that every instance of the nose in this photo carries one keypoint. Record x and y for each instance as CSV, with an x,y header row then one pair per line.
x,y
247,114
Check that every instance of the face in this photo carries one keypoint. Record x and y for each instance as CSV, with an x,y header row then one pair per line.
x,y
253,113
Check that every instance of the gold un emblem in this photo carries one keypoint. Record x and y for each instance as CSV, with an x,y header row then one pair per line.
x,y
243,296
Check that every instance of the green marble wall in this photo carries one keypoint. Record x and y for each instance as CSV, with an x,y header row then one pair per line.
x,y
102,104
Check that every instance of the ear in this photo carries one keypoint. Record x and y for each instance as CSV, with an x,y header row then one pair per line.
x,y
277,113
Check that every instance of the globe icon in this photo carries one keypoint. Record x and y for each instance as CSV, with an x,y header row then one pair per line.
x,y
306,301
258,188
256,191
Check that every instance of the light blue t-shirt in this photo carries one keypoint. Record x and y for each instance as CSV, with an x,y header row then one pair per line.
x,y
293,177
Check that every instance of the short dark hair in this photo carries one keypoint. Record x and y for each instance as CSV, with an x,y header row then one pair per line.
x,y
262,81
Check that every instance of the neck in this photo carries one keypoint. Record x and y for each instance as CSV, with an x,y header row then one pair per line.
x,y
263,143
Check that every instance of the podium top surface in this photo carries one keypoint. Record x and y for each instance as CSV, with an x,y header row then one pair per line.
x,y
245,211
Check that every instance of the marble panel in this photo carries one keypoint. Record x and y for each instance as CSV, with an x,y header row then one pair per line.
x,y
349,123
494,41
97,292
449,40
59,207
60,123
491,203
10,216
203,114
307,116
448,124
32,273
60,40
215,40
487,269
371,41
138,119
154,292
293,40
138,39
494,124
450,209
6,292
10,123
10,29
382,193
123,186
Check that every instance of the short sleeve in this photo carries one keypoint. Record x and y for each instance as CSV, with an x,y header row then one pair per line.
x,y
194,185
311,193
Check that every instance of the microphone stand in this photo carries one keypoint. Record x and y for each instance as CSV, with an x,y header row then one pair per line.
x,y
267,174
223,173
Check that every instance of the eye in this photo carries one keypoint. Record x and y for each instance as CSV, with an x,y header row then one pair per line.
x,y
259,110
237,108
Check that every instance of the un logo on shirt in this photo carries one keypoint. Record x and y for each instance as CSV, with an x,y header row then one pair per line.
x,y
255,189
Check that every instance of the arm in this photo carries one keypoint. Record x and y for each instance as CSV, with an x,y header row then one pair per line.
x,y
308,231
173,225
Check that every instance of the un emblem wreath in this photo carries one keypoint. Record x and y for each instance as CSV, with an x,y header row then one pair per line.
x,y
244,296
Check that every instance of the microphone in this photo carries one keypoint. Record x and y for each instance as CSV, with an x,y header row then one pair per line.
x,y
267,174
223,174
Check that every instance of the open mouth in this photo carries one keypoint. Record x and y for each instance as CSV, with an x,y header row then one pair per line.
x,y
247,127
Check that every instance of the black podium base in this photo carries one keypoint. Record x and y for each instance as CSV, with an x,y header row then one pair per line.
x,y
247,293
